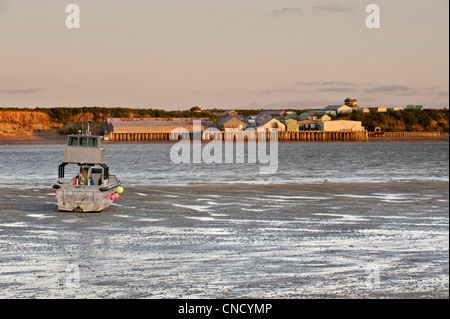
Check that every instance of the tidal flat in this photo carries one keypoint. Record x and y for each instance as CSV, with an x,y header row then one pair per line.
x,y
318,240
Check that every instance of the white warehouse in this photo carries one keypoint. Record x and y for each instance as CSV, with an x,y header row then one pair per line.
x,y
339,126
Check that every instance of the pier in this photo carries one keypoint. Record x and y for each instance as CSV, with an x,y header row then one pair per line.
x,y
297,136
408,135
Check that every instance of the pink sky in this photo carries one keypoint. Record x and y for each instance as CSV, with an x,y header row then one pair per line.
x,y
225,54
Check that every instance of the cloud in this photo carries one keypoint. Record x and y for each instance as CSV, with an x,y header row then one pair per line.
x,y
21,91
442,94
286,11
335,89
298,104
268,92
332,7
438,91
389,89
338,83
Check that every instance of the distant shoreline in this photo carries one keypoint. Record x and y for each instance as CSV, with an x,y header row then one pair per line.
x,y
31,140
36,140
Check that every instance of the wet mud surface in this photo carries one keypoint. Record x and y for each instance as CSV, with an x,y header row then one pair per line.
x,y
324,240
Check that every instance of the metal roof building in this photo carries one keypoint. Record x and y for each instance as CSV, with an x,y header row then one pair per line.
x,y
338,108
153,125
414,107
232,122
269,123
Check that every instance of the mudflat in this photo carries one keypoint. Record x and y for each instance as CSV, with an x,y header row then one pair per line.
x,y
323,240
31,140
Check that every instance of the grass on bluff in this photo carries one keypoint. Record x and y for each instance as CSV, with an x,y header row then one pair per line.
x,y
428,120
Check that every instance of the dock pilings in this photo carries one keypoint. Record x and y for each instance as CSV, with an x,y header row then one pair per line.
x,y
295,136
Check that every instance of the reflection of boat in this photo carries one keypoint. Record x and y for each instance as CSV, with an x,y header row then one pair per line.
x,y
93,189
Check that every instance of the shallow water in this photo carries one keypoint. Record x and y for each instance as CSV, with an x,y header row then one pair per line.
x,y
150,164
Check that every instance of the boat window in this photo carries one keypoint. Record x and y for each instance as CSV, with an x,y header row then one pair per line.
x,y
73,141
83,141
93,142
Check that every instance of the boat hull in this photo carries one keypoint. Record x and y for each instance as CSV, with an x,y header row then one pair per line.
x,y
73,198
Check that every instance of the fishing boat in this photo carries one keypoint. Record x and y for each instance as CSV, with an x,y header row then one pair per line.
x,y
94,188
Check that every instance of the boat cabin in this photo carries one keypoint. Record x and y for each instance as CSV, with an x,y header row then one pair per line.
x,y
86,151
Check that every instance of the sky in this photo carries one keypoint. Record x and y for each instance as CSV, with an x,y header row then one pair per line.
x,y
226,54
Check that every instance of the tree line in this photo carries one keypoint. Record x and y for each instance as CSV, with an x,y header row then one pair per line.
x,y
392,121
428,120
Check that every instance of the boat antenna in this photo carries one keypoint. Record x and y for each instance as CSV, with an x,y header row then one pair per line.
x,y
81,120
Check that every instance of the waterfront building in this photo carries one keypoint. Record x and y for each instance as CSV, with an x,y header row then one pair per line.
x,y
231,122
195,109
414,107
352,103
393,109
306,125
363,110
338,108
292,127
226,113
377,109
340,126
291,114
153,125
272,114
324,117
269,123
290,121
313,115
